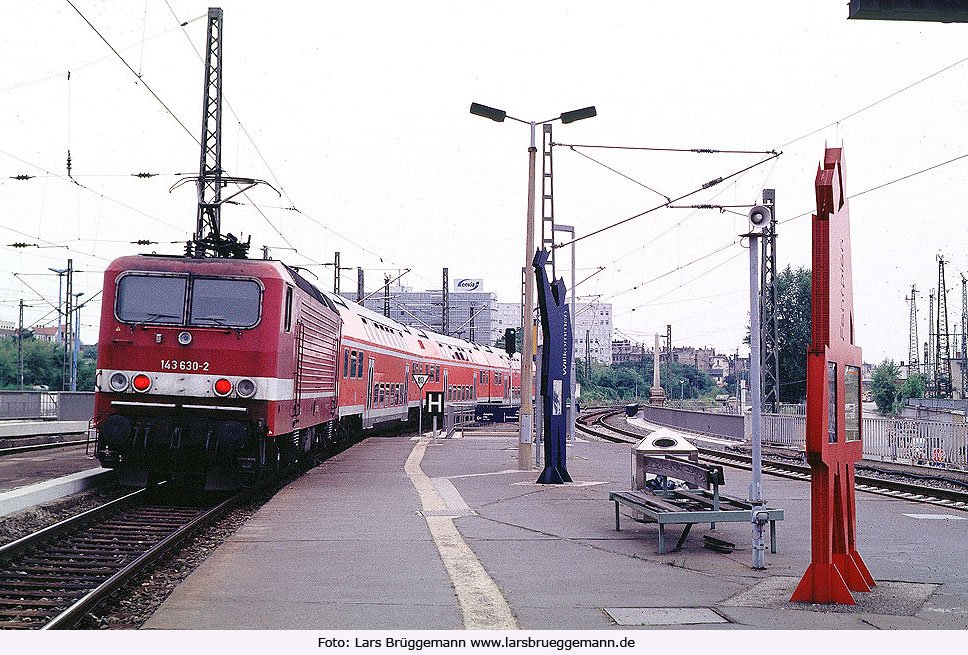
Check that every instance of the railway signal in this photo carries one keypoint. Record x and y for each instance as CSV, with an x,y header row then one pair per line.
x,y
510,341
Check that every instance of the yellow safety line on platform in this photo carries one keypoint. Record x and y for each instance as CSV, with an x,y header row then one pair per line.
x,y
481,602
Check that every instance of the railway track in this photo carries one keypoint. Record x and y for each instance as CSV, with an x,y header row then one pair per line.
x,y
594,423
50,579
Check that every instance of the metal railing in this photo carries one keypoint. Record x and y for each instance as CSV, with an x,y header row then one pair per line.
x,y
901,440
47,405
456,416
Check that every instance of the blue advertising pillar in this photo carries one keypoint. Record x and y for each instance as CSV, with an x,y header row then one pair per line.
x,y
555,383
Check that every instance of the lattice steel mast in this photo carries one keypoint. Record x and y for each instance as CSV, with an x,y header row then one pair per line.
x,y
547,199
208,237
943,356
913,344
929,363
769,342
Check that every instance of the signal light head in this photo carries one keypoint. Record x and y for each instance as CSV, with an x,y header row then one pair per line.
x,y
141,382
222,387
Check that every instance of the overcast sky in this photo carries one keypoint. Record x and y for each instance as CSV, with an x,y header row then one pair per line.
x,y
358,113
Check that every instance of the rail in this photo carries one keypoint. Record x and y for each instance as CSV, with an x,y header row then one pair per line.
x,y
53,577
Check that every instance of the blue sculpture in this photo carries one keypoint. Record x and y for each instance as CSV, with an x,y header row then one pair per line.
x,y
555,371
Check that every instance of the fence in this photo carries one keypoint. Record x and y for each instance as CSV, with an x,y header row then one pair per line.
x,y
724,425
905,441
47,405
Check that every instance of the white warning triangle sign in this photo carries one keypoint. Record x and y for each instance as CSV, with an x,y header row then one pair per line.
x,y
420,379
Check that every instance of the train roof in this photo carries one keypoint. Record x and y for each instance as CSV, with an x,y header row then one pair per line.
x,y
334,301
416,331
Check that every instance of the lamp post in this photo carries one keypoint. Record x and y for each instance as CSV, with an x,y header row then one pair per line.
x,y
526,437
60,279
759,215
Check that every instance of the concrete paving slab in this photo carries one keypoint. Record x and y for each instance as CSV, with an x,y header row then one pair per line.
x,y
347,546
44,492
654,616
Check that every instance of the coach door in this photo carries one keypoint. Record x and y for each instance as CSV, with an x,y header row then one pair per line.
x,y
368,412
406,394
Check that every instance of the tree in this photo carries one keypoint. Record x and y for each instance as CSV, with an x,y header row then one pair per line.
x,y
913,387
793,332
884,386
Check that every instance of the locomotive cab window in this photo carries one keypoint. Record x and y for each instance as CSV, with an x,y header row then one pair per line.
x,y
151,299
225,302
289,309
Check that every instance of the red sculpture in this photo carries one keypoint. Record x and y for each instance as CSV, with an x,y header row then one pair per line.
x,y
834,415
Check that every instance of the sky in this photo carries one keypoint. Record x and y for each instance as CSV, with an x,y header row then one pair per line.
x,y
357,114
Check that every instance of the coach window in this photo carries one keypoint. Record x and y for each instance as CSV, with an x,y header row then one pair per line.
x,y
225,301
289,310
151,299
346,362
352,369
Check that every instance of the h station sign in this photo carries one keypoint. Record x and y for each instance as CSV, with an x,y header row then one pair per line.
x,y
834,416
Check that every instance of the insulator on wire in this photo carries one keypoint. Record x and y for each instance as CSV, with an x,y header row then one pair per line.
x,y
146,242
144,174
21,244
712,183
22,176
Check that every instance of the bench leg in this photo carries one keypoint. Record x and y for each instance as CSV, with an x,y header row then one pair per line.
x,y
617,528
662,539
682,537
773,537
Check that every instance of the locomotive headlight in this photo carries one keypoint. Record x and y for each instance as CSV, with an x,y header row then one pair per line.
x,y
222,387
184,338
141,382
245,388
119,382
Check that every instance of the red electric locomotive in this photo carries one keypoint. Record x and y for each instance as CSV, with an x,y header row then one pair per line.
x,y
212,372
218,372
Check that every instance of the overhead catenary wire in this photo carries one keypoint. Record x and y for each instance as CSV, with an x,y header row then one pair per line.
x,y
135,73
665,204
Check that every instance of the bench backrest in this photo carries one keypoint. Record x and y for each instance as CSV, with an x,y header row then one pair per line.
x,y
693,474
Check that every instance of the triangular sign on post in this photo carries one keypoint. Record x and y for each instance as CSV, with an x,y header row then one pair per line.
x,y
420,379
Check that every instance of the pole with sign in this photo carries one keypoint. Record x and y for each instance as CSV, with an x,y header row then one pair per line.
x,y
434,404
420,379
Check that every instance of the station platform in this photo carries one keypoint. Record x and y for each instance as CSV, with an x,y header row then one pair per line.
x,y
398,533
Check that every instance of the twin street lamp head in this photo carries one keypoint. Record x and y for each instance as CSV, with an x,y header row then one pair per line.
x,y
498,115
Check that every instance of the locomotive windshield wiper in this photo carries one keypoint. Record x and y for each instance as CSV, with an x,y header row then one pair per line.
x,y
148,318
218,320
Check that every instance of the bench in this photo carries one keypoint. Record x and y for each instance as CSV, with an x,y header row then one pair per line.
x,y
700,502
